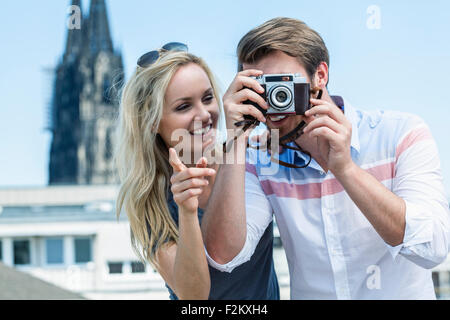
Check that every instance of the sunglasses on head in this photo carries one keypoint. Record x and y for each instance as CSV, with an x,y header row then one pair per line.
x,y
150,57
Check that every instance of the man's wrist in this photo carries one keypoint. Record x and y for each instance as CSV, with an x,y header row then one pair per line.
x,y
347,173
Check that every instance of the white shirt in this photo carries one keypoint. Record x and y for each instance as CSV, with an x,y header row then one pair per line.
x,y
333,252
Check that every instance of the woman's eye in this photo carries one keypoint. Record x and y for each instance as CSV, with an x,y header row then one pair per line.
x,y
182,107
208,98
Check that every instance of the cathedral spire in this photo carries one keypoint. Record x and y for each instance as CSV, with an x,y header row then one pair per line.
x,y
83,109
98,33
74,41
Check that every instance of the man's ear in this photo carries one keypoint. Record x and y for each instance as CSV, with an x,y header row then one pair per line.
x,y
321,75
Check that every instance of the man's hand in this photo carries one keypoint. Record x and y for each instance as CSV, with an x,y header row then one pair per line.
x,y
241,89
334,132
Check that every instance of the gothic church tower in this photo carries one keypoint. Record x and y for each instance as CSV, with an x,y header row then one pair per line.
x,y
85,103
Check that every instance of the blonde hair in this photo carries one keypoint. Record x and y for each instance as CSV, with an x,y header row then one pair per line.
x,y
142,157
288,35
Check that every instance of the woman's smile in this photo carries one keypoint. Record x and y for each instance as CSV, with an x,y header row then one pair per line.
x,y
193,107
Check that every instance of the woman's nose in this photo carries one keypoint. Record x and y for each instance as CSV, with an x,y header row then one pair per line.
x,y
203,113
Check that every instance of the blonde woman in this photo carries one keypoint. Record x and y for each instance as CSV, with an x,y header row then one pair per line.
x,y
173,90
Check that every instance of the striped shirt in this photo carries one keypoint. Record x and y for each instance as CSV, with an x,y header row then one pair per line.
x,y
333,252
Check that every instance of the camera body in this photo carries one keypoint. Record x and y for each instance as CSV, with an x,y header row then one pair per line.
x,y
286,94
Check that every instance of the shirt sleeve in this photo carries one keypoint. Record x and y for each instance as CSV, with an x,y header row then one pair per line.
x,y
418,181
258,216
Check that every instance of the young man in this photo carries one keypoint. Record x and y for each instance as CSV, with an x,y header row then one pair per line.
x,y
366,219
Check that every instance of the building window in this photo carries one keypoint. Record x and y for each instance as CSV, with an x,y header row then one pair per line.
x,y
108,146
21,252
115,267
443,284
107,90
83,251
54,248
435,277
137,267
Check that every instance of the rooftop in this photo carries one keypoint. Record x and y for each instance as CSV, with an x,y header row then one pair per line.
x,y
57,195
58,203
16,285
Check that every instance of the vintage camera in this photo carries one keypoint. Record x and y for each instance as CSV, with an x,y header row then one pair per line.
x,y
286,94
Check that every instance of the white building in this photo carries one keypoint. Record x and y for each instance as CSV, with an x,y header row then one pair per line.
x,y
70,236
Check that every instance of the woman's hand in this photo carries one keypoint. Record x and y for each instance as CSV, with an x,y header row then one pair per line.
x,y
241,89
188,183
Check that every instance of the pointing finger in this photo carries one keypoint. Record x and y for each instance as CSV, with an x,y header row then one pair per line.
x,y
175,162
202,163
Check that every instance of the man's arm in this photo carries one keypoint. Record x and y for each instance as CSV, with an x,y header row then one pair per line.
x,y
258,216
382,208
333,131
414,216
224,224
418,181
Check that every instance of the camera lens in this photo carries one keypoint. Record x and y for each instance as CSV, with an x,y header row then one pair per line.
x,y
281,97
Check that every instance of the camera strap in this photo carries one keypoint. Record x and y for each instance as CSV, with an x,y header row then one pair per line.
x,y
284,140
250,121
298,131
292,136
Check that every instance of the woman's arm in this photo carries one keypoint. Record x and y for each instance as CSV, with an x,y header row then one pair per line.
x,y
184,266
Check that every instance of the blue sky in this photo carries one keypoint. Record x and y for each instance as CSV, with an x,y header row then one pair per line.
x,y
404,65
